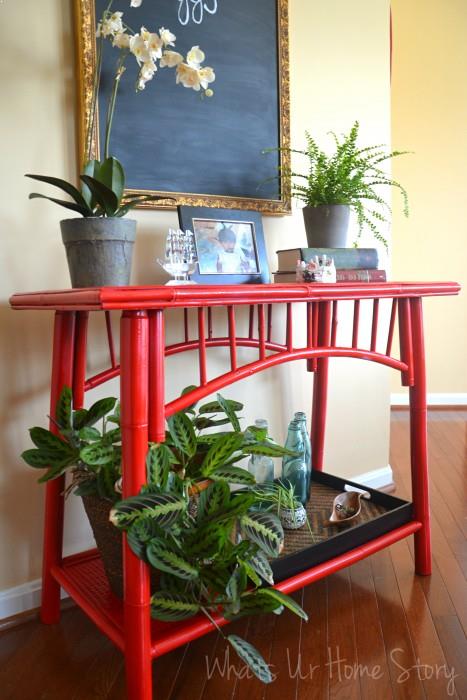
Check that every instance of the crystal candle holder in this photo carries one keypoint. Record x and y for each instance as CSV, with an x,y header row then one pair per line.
x,y
180,256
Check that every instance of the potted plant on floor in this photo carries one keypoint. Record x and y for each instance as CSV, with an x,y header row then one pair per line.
x,y
99,245
333,185
212,558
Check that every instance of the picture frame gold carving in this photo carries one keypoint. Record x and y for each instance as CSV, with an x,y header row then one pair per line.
x,y
85,23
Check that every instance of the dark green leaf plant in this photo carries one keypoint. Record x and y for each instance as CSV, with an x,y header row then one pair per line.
x,y
91,453
216,560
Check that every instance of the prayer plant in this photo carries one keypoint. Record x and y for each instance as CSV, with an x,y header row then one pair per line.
x,y
215,562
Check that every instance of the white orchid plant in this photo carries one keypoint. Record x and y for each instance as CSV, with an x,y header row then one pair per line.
x,y
102,185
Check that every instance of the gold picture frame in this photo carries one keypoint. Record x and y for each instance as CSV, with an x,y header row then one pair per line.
x,y
85,22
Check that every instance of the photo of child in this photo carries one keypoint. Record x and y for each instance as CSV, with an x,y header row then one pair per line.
x,y
225,247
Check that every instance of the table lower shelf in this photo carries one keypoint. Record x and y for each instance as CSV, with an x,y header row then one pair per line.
x,y
82,576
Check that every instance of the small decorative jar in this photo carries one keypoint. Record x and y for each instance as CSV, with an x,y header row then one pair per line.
x,y
292,518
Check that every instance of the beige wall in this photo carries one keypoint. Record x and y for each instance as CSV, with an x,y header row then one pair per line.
x,y
339,72
429,117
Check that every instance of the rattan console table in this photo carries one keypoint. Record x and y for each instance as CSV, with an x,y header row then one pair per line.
x,y
141,366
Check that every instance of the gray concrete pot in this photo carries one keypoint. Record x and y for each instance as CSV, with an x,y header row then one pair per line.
x,y
99,250
326,226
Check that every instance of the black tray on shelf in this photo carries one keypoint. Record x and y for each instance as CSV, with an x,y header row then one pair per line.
x,y
381,514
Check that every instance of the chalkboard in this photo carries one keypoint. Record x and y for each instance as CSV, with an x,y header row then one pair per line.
x,y
171,140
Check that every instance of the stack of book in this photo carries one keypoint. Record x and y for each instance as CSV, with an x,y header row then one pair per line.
x,y
352,264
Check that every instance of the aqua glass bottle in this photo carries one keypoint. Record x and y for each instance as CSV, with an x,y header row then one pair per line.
x,y
301,418
261,466
294,468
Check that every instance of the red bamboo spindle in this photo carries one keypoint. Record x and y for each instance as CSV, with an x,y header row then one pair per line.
x,y
202,346
62,375
356,319
110,339
134,425
156,376
392,323
374,325
261,332
405,340
232,338
289,328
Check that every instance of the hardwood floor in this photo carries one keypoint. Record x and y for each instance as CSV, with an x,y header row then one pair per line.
x,y
375,630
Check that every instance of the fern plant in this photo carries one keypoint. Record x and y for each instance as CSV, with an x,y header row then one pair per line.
x,y
351,176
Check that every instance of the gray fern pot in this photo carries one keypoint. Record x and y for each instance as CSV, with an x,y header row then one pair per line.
x,y
326,226
99,250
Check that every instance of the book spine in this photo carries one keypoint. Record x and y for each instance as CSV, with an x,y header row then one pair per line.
x,y
345,258
361,275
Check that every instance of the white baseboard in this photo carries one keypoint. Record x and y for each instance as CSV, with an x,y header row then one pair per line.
x,y
432,399
376,479
22,598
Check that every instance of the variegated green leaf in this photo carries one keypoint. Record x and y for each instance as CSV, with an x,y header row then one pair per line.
x,y
251,657
182,433
79,418
251,604
165,559
39,459
261,565
56,470
89,434
235,587
267,448
158,461
171,606
63,408
220,451
99,410
213,499
206,540
164,508
234,475
284,600
97,453
47,441
229,412
215,406
251,573
266,530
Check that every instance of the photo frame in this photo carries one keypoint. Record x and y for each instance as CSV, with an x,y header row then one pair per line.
x,y
243,118
229,244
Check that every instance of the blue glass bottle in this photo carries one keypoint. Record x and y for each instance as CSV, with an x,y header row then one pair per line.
x,y
294,468
301,418
261,466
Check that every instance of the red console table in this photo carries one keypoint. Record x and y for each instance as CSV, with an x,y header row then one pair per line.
x,y
143,353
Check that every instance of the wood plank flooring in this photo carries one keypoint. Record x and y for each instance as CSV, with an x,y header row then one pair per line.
x,y
376,630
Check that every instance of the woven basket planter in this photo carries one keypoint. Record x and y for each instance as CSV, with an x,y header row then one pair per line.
x,y
109,538
109,543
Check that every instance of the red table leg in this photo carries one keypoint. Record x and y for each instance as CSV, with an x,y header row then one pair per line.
x,y
320,388
134,424
62,374
418,441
